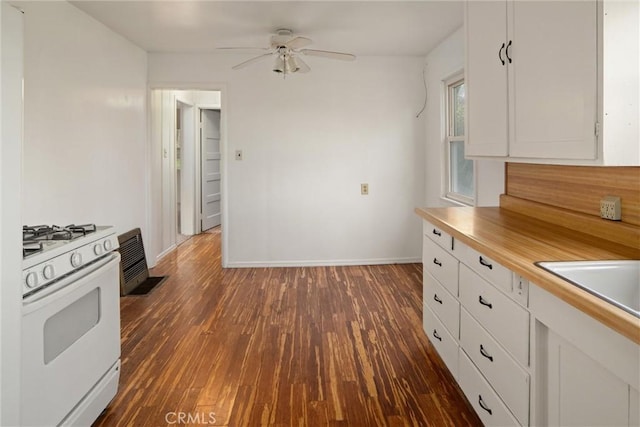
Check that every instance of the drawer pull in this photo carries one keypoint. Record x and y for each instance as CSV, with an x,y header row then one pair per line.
x,y
485,263
485,354
436,336
483,302
436,262
437,233
483,405
500,53
435,297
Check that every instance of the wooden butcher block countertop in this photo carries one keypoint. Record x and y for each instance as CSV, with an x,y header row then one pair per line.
x,y
518,241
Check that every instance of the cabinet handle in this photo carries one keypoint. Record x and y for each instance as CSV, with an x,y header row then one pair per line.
x,y
436,336
500,53
483,302
507,51
438,300
436,262
485,263
437,233
483,405
485,354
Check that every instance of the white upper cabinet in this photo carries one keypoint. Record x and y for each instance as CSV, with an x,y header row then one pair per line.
x,y
553,82
486,78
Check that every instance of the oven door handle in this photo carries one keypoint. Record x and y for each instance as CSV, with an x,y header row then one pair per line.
x,y
68,285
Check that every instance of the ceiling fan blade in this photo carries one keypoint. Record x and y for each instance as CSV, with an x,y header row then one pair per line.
x,y
298,42
251,61
304,68
328,54
244,49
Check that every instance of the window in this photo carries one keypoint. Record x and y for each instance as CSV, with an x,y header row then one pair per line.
x,y
460,177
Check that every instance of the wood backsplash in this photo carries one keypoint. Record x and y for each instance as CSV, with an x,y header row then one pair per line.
x,y
576,188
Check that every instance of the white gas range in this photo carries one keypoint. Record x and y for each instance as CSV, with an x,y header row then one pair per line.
x,y
70,323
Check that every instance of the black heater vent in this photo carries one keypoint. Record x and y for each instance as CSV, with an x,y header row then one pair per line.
x,y
133,266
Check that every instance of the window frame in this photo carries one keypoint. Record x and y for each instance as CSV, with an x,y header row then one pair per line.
x,y
448,138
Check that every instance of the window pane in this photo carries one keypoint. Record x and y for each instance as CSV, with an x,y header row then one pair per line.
x,y
461,170
458,109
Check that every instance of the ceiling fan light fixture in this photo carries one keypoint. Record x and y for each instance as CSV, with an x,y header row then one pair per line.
x,y
279,66
290,65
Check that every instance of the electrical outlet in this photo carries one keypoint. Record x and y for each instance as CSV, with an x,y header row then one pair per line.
x,y
610,208
364,189
238,154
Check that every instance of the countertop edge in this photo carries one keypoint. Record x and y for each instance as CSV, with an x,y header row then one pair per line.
x,y
616,319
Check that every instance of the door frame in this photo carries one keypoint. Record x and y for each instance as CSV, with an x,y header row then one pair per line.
x,y
154,158
186,110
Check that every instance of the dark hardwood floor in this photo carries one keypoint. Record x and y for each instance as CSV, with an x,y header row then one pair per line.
x,y
339,346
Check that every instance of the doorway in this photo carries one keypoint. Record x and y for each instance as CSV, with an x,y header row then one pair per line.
x,y
186,166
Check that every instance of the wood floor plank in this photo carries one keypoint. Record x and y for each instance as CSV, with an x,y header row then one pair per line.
x,y
308,346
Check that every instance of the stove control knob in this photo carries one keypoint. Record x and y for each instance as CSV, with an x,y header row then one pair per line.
x,y
107,245
97,249
76,259
32,279
48,272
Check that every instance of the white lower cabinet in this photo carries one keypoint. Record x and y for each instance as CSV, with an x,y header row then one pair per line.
x,y
445,344
509,380
586,374
507,321
444,305
521,355
580,391
476,318
489,407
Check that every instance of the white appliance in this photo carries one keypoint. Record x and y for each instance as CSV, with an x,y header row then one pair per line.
x,y
70,324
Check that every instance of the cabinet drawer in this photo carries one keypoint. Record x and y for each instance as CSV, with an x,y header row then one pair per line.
x,y
505,320
441,265
436,234
484,400
444,343
442,303
494,273
508,379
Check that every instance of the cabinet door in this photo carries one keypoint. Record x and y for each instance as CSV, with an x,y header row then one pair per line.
x,y
552,79
485,78
580,391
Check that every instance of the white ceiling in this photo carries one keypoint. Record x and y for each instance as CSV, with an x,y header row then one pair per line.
x,y
360,27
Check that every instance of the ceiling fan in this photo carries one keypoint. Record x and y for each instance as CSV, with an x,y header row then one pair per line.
x,y
287,50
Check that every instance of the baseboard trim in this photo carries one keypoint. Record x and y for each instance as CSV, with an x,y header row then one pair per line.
x,y
163,254
323,263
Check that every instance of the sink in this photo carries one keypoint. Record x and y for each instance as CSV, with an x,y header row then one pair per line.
x,y
617,282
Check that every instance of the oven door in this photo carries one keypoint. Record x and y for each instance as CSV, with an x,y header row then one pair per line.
x,y
70,339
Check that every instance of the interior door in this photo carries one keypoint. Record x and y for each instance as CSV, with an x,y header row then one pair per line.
x,y
210,158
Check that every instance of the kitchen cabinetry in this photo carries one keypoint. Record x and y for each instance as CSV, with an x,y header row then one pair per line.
x,y
475,315
441,309
552,82
586,374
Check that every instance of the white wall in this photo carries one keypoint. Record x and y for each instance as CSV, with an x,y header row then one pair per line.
x,y
11,42
442,62
85,121
309,141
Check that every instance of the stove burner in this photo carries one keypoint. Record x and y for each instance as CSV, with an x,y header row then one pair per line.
x,y
84,229
34,236
31,247
61,235
29,232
